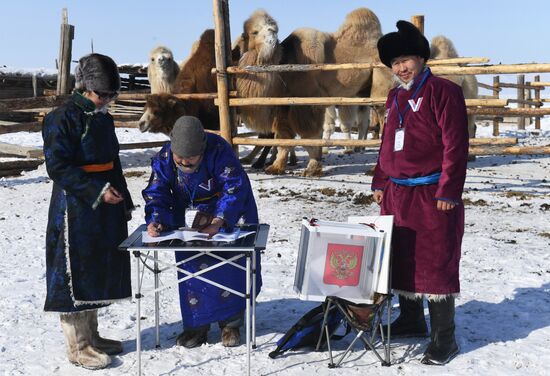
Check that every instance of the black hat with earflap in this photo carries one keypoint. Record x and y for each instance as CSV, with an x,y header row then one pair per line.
x,y
406,41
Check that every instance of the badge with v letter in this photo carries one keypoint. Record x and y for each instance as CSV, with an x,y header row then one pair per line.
x,y
415,105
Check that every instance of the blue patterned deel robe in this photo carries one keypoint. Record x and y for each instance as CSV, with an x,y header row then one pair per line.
x,y
220,187
84,268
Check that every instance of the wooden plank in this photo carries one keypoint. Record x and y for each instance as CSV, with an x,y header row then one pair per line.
x,y
340,142
512,150
34,126
65,53
496,90
493,69
436,69
518,85
489,87
221,65
142,145
509,111
418,21
21,164
30,103
20,151
340,101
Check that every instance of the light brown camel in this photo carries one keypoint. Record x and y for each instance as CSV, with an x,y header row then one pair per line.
x,y
162,70
443,48
355,41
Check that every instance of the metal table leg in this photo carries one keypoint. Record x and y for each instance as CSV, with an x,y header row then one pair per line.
x,y
248,295
138,313
157,293
253,276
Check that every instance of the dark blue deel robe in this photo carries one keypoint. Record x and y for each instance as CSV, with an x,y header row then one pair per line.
x,y
220,187
84,268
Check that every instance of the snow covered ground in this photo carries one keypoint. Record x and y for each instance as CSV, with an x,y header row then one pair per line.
x,y
502,316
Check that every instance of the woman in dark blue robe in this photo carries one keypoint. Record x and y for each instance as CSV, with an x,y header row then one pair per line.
x,y
89,209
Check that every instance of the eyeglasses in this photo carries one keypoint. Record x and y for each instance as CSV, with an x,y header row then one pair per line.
x,y
106,94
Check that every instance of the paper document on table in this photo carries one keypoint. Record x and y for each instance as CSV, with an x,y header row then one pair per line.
x,y
186,236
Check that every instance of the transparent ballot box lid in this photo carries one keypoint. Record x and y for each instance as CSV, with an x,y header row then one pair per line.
x,y
341,259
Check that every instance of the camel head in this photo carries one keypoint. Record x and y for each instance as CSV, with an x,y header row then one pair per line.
x,y
161,58
161,112
442,48
261,35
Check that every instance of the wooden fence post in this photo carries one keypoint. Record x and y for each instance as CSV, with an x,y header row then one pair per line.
x,y
65,51
496,84
418,21
537,98
221,65
521,99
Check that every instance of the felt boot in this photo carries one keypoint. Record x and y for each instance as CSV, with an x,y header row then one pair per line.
x,y
193,337
108,346
77,339
442,347
411,321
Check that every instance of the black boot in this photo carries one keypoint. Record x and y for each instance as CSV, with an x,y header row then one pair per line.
x,y
443,346
193,337
411,321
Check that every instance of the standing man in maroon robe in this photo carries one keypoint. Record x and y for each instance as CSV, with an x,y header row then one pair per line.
x,y
419,180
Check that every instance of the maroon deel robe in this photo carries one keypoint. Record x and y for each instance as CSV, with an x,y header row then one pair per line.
x,y
426,242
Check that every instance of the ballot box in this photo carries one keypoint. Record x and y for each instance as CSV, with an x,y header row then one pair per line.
x,y
343,259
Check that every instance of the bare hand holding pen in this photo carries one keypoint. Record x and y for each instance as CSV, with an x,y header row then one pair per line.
x,y
154,229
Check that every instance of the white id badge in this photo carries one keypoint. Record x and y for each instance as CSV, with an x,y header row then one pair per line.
x,y
190,215
399,139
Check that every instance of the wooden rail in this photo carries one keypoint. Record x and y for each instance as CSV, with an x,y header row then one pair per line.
x,y
339,101
352,143
436,69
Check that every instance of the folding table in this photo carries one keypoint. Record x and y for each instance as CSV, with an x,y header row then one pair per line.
x,y
243,247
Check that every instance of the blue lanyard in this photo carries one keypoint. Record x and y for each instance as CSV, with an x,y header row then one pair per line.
x,y
190,194
402,115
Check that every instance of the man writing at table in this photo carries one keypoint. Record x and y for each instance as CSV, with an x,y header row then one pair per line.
x,y
198,171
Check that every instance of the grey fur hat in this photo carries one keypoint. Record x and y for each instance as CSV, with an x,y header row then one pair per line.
x,y
408,40
96,72
188,138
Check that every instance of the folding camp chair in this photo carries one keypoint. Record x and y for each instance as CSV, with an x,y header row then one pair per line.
x,y
347,265
366,321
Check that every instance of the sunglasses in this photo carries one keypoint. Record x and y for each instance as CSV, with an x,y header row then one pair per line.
x,y
106,94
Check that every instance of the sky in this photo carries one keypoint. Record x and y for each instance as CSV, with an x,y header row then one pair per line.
x,y
506,31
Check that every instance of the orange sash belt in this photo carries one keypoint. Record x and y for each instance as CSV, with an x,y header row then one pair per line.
x,y
100,167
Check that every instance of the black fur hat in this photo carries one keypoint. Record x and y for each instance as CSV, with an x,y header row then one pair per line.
x,y
408,40
96,72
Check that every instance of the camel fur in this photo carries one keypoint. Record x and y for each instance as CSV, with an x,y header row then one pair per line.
x,y
195,76
355,41
349,117
443,48
162,70
162,111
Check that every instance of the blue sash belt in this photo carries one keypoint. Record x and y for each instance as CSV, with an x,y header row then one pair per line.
x,y
421,180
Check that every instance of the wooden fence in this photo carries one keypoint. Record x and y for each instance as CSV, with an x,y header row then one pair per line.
x,y
26,113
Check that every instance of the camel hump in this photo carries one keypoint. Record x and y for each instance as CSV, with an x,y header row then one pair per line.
x,y
359,24
195,72
305,46
442,48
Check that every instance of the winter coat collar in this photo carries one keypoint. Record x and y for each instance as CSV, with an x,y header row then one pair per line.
x,y
84,103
